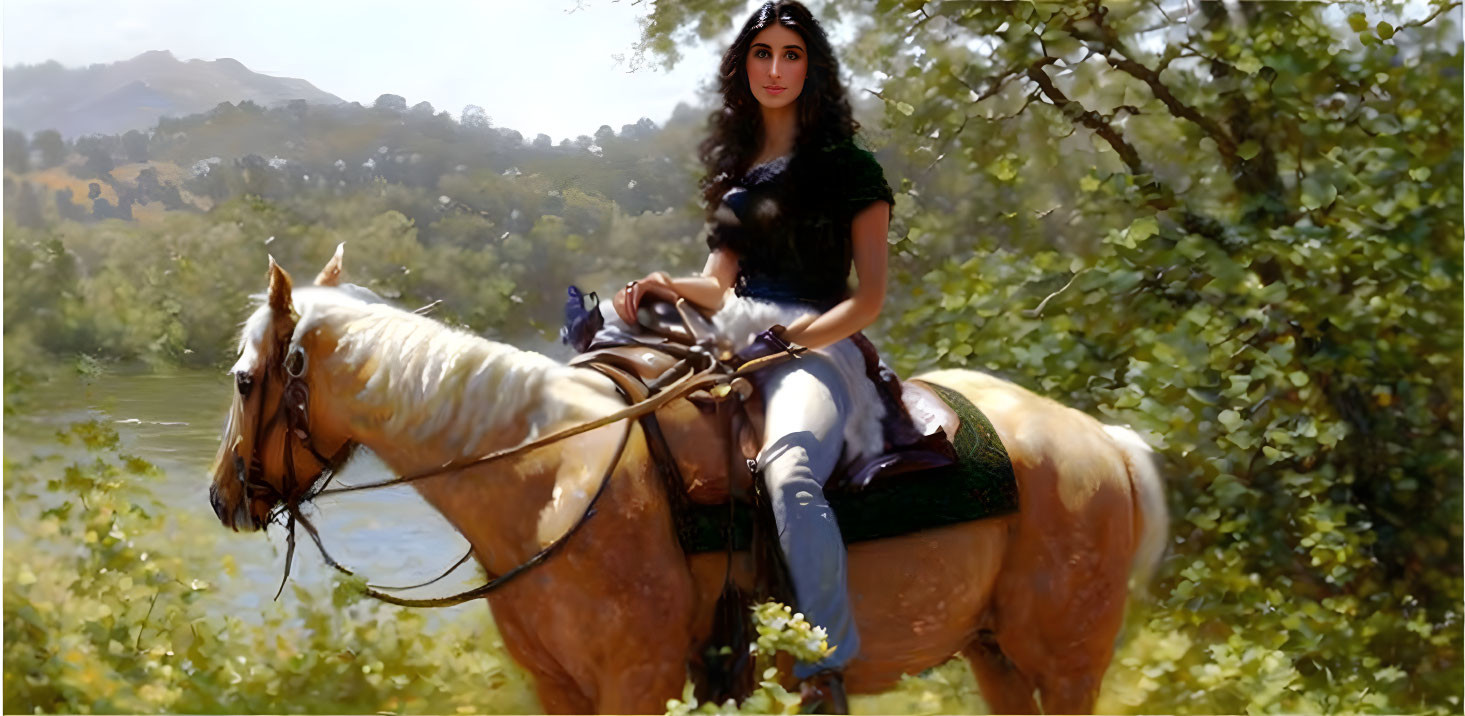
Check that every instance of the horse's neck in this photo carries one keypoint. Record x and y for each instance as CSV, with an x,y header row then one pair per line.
x,y
421,395
432,399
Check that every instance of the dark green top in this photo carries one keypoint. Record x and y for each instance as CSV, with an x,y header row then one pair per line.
x,y
788,220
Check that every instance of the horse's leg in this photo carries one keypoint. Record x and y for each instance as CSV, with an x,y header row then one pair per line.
x,y
1060,602
557,690
559,694
1005,689
1059,599
643,684
1072,694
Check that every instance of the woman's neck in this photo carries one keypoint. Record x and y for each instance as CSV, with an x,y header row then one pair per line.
x,y
780,129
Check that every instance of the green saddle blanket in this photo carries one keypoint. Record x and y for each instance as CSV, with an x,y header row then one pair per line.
x,y
980,484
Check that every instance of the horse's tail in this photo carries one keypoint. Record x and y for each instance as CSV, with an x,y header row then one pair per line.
x,y
1149,497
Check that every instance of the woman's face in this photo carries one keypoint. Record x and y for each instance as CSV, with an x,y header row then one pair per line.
x,y
777,65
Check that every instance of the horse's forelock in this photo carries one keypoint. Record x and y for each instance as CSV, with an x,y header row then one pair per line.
x,y
255,328
252,336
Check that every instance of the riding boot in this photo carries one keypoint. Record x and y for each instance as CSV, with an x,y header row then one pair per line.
x,y
825,692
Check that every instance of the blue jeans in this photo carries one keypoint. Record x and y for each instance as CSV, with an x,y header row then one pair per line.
x,y
805,404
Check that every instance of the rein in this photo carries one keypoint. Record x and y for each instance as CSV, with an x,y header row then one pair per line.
x,y
294,406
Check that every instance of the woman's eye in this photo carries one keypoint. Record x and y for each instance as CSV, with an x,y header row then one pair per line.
x,y
792,55
760,53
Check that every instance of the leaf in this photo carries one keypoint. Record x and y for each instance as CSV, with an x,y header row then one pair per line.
x,y
1249,64
904,108
1248,149
1142,228
1358,21
1317,193
1385,30
1230,418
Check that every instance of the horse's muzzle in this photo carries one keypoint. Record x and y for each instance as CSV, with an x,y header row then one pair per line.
x,y
218,504
237,518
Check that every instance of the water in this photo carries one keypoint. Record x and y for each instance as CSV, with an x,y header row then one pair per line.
x,y
174,420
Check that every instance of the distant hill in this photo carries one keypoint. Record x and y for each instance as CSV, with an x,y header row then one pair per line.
x,y
135,93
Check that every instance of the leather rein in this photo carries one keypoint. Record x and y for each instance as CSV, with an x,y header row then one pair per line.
x,y
293,409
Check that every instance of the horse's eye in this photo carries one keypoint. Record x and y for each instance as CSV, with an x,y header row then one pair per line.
x,y
295,362
244,383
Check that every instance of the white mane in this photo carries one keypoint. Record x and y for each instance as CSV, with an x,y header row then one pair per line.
x,y
430,381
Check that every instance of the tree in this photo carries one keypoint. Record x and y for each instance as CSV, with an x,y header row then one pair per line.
x,y
391,102
543,141
475,118
135,146
17,151
23,203
643,129
51,146
66,207
98,160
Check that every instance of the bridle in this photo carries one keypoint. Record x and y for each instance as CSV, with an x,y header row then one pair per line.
x,y
293,409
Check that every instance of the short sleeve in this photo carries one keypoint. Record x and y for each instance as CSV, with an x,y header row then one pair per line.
x,y
727,227
725,230
864,180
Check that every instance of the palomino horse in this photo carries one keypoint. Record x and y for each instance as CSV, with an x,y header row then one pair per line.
x,y
608,623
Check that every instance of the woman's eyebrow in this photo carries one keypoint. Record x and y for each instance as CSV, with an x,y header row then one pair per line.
x,y
786,47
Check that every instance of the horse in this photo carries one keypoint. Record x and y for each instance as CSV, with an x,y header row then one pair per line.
x,y
609,623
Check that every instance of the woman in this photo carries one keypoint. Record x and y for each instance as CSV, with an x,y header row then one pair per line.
x,y
793,203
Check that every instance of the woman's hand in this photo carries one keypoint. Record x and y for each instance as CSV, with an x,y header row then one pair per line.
x,y
626,301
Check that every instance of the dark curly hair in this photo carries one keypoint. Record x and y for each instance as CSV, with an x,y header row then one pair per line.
x,y
735,128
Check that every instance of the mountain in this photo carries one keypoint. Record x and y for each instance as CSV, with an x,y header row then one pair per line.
x,y
135,93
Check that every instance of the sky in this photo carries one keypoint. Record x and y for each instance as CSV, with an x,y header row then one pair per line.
x,y
534,65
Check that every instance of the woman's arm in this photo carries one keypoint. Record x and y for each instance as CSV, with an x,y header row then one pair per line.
x,y
869,229
706,291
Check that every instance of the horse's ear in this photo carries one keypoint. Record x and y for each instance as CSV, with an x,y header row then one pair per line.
x,y
280,307
331,274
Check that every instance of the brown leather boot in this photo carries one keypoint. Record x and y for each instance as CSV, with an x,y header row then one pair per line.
x,y
824,692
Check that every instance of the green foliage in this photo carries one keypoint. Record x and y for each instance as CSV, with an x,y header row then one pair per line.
x,y
1237,230
106,611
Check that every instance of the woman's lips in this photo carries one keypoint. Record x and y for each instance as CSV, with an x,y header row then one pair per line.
x,y
774,90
